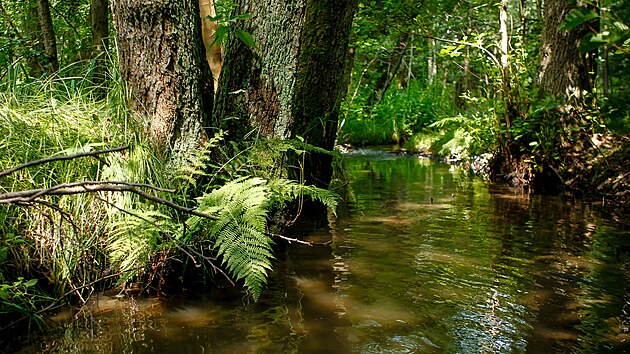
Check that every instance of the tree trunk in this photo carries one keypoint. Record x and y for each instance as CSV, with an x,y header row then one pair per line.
x,y
48,34
564,70
162,61
32,34
99,10
291,85
432,62
319,84
214,55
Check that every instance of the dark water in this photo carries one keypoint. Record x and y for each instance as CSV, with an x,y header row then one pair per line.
x,y
424,259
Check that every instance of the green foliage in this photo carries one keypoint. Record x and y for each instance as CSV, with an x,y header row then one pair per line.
x,y
226,19
59,241
616,33
402,112
239,235
20,38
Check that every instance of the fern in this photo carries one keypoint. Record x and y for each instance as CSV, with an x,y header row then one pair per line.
x,y
134,239
238,236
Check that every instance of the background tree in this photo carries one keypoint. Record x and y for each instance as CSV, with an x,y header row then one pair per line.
x,y
48,34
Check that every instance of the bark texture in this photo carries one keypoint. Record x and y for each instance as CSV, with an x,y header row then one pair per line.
x,y
48,34
291,84
99,25
564,70
319,86
163,63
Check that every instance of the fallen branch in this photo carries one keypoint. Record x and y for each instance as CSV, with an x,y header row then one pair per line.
x,y
61,158
31,195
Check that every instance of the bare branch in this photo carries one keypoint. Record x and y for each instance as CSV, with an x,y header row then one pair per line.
x,y
60,158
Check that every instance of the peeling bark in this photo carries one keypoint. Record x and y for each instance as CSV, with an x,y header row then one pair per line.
x,y
214,54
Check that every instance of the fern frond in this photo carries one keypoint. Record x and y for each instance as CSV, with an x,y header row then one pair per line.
x,y
134,238
238,236
283,190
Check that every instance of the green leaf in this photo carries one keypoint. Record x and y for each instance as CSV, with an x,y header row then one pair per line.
x,y
219,35
240,17
215,18
30,283
576,18
245,38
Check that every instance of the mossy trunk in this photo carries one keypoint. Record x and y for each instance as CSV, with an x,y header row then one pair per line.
x,y
290,85
320,79
162,60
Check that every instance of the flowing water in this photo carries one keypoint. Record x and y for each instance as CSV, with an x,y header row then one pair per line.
x,y
423,259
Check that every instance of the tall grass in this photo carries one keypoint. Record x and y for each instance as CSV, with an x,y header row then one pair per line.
x,y
60,241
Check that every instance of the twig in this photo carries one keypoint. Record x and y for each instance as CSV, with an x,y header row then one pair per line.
x,y
289,240
488,53
175,242
61,158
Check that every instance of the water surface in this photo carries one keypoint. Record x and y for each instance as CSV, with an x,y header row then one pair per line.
x,y
423,259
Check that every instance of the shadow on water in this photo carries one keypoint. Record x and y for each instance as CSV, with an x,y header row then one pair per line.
x,y
424,259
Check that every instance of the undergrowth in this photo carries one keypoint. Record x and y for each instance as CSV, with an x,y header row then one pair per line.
x,y
63,248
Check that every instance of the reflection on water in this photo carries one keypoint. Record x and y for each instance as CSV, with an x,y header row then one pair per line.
x,y
424,259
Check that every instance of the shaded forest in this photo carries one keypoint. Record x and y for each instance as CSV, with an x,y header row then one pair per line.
x,y
146,143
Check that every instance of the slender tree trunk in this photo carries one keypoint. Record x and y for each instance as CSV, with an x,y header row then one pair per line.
x,y
388,70
48,34
32,34
99,10
162,60
214,55
506,86
431,62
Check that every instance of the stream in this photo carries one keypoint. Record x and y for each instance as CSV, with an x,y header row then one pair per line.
x,y
424,258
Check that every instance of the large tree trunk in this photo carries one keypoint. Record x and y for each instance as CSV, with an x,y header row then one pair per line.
x,y
163,62
48,34
564,70
292,84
